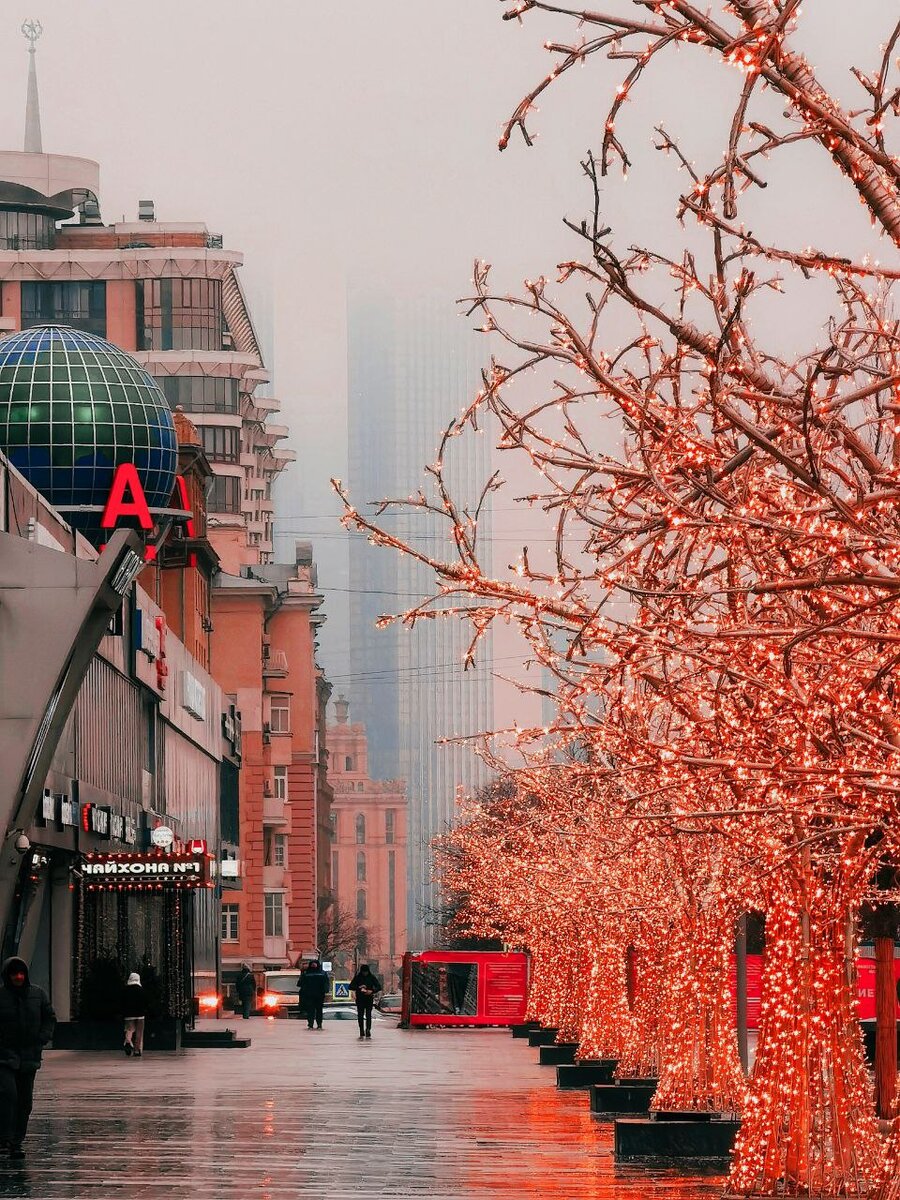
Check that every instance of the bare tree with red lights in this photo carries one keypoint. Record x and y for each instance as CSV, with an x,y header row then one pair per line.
x,y
719,615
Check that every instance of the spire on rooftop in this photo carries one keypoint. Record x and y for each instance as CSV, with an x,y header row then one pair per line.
x,y
33,144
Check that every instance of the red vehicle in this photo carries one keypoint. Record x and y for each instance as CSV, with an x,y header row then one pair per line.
x,y
464,987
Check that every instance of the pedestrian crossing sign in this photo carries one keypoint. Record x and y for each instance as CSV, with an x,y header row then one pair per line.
x,y
342,989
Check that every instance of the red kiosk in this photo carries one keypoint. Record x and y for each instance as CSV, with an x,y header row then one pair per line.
x,y
464,987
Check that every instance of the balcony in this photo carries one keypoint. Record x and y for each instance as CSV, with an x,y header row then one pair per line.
x,y
274,811
275,948
276,665
273,878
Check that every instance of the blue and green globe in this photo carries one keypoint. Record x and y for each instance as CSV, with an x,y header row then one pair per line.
x,y
73,407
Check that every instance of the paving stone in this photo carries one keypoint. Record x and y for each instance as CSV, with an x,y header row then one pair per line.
x,y
451,1115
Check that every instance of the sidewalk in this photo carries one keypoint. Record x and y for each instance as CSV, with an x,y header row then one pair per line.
x,y
449,1115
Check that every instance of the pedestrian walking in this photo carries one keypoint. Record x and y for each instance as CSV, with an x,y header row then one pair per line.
x,y
27,1022
365,987
134,1010
246,990
313,989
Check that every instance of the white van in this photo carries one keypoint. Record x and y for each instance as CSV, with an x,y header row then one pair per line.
x,y
281,994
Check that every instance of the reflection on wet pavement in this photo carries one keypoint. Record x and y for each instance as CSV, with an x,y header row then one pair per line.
x,y
449,1115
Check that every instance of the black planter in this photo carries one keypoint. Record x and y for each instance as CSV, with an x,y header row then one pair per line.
x,y
542,1037
621,1099
162,1034
522,1031
692,1138
552,1056
585,1073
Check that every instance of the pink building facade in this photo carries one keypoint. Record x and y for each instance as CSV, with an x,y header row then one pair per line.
x,y
368,849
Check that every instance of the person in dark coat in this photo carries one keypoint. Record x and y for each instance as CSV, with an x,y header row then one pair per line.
x,y
246,990
134,1010
27,1022
313,990
365,987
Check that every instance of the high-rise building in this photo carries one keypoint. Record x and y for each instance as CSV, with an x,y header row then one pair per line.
x,y
413,366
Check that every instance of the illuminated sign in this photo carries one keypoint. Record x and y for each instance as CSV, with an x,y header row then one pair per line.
x,y
152,871
95,819
127,499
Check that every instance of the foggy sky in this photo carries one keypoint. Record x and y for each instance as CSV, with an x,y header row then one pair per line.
x,y
356,140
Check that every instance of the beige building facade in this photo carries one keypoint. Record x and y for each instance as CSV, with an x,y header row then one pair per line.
x,y
368,851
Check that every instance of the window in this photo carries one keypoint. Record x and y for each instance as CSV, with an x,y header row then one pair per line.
x,y
360,829
280,714
281,783
179,314
274,914
280,850
333,823
389,827
81,305
334,870
348,763
200,393
360,867
230,926
361,904
221,443
225,494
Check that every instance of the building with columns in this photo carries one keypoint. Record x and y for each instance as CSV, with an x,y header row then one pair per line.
x,y
368,849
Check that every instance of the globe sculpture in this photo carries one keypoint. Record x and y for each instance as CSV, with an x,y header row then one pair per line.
x,y
73,407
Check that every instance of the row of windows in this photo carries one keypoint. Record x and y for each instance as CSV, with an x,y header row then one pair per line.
x,y
200,393
361,898
26,231
275,850
79,304
221,443
280,714
361,827
273,914
179,314
273,911
225,495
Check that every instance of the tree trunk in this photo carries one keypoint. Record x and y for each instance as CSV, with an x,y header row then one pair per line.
x,y
809,1127
885,1027
701,1069
606,1009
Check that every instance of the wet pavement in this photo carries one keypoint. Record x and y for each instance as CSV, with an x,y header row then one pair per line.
x,y
449,1115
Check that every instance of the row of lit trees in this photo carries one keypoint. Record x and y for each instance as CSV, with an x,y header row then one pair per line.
x,y
719,617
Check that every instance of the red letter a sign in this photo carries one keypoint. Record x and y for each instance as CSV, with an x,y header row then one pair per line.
x,y
126,481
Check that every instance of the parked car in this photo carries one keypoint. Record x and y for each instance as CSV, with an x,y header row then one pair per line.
x,y
345,1012
390,1002
280,994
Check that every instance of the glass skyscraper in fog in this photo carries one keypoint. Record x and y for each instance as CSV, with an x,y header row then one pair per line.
x,y
413,365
